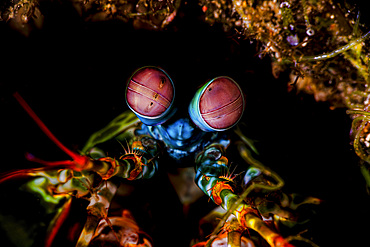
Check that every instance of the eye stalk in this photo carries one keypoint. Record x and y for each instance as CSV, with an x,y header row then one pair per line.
x,y
150,93
218,105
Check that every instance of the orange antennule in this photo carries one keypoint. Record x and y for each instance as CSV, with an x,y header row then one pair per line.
x,y
78,159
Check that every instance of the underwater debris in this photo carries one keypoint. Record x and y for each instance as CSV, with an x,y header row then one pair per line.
x,y
322,44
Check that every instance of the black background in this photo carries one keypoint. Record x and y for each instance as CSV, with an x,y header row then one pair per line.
x,y
73,75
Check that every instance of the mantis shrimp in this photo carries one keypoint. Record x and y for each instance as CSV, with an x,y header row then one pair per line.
x,y
154,128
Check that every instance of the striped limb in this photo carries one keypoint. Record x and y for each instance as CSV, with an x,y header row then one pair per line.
x,y
212,178
97,210
132,165
137,162
129,166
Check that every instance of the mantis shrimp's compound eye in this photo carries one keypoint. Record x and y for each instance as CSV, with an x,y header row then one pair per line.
x,y
149,94
218,105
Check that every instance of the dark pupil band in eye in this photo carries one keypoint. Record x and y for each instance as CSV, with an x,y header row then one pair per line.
x,y
221,104
148,93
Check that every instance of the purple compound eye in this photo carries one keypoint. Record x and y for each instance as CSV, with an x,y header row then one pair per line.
x,y
149,94
218,105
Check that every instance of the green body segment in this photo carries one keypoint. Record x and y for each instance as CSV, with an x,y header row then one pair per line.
x,y
117,126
